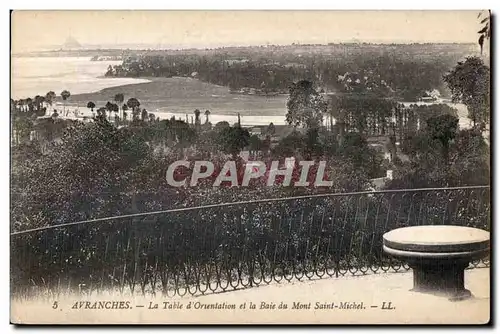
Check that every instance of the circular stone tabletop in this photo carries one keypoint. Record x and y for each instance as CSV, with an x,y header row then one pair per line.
x,y
440,238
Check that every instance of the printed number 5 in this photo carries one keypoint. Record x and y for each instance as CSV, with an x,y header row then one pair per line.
x,y
54,306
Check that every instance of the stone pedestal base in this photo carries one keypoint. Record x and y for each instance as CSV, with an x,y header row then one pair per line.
x,y
441,278
438,256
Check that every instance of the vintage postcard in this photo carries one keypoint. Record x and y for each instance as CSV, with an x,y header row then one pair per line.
x,y
250,167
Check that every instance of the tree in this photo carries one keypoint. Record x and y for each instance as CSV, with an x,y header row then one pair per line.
x,y
485,32
101,113
197,121
96,152
444,129
119,98
22,129
233,139
469,83
109,108
271,129
91,106
38,102
305,105
221,125
115,108
50,97
125,108
133,103
364,113
65,94
354,147
181,133
207,114
254,143
152,117
29,104
289,145
467,164
469,159
144,115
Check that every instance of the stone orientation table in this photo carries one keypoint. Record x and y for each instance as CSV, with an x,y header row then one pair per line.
x,y
438,255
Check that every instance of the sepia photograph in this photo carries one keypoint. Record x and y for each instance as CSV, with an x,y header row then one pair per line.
x,y
250,167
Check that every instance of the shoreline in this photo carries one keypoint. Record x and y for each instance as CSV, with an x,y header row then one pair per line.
x,y
78,75
182,95
103,86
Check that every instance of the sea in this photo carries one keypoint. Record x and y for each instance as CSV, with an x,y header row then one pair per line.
x,y
31,76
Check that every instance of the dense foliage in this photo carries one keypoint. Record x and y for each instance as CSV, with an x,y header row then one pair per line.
x,y
402,71
469,83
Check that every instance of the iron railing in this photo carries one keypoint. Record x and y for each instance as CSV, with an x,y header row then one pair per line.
x,y
223,247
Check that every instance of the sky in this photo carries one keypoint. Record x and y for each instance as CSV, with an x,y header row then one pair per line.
x,y
34,30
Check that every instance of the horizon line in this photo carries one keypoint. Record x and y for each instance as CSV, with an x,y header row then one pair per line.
x,y
143,47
